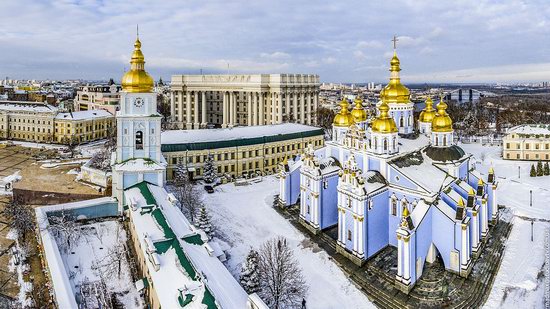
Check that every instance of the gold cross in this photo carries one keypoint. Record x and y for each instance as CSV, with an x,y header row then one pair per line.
x,y
395,42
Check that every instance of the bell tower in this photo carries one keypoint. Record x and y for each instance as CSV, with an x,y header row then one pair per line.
x,y
138,154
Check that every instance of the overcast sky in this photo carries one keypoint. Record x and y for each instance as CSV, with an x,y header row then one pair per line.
x,y
342,41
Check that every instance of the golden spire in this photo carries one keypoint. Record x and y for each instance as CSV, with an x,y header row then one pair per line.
x,y
405,212
460,202
343,118
395,92
491,170
442,122
137,80
428,113
384,123
471,192
480,182
359,114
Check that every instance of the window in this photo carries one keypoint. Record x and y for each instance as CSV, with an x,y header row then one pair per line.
x,y
349,234
507,145
370,204
349,202
308,209
526,146
139,140
393,207
325,184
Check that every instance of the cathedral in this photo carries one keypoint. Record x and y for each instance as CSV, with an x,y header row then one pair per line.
x,y
384,180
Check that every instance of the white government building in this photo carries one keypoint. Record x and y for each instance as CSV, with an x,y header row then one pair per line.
x,y
246,100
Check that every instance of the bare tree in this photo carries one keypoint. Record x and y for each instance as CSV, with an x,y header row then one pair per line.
x,y
283,285
65,228
102,160
189,197
21,217
112,262
325,117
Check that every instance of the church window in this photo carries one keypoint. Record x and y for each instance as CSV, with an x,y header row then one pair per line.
x,y
325,184
394,207
308,209
139,140
436,140
397,178
125,131
370,204
152,130
401,121
349,234
385,144
444,140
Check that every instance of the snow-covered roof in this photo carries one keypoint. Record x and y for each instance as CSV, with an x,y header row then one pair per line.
x,y
215,135
83,115
135,165
535,129
419,212
408,145
425,174
183,264
373,181
11,106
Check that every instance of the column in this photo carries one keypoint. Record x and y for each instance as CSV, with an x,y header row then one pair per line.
x,y
235,118
315,105
188,110
261,114
255,108
399,256
360,245
204,121
302,108
280,107
339,225
196,121
172,106
225,110
295,109
494,204
475,230
308,108
180,109
287,106
231,102
406,253
249,109
464,249
355,236
273,109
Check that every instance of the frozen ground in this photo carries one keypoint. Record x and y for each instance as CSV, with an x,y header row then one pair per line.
x,y
521,279
95,246
244,218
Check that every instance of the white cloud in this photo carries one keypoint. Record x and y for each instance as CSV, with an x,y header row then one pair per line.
x,y
275,55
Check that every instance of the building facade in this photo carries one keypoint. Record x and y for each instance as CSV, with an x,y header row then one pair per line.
x,y
245,100
105,97
379,186
83,126
236,152
43,123
527,142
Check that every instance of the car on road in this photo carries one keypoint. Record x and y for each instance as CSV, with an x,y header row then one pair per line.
x,y
209,189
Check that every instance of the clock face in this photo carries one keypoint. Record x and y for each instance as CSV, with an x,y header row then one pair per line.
x,y
138,102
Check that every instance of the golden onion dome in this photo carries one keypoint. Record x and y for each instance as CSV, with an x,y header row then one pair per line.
x,y
344,117
428,113
384,123
395,92
442,122
359,113
137,80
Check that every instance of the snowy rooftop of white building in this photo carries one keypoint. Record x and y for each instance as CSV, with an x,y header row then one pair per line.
x,y
181,264
219,138
84,115
10,106
531,129
418,167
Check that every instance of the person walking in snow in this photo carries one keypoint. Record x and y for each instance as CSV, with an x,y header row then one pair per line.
x,y
303,303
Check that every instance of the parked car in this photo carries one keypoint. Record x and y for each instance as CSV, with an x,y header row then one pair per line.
x,y
209,189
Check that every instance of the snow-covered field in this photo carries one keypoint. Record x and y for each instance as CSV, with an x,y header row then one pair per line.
x,y
95,247
520,282
245,219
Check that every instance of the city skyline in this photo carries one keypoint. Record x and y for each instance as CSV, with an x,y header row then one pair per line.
x,y
465,42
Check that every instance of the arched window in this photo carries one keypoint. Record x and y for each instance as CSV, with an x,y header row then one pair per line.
x,y
139,140
393,206
385,144
401,120
444,140
410,119
436,140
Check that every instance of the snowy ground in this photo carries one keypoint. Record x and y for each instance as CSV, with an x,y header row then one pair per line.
x,y
94,248
244,219
520,282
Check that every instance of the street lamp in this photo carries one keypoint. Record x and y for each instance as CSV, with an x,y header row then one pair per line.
x,y
519,171
532,221
530,198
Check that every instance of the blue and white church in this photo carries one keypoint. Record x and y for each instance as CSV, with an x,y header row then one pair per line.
x,y
385,181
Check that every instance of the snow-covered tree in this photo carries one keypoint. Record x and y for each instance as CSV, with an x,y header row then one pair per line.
x,y
540,171
203,222
250,276
181,175
102,160
64,227
188,196
546,169
21,218
209,173
533,172
282,283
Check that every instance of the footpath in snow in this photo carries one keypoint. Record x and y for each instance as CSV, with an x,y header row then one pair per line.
x,y
244,218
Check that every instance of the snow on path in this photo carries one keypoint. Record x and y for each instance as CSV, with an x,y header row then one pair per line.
x,y
244,218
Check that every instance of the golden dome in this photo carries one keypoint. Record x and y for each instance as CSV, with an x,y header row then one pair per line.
x,y
395,92
137,80
428,113
343,118
384,123
442,122
359,113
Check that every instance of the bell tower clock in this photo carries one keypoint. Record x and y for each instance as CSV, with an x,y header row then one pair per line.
x,y
138,154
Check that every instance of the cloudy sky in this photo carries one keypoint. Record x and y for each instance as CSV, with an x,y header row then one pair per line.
x,y
342,41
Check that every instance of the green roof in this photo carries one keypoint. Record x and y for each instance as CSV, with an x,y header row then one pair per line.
x,y
142,186
208,299
194,239
240,142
